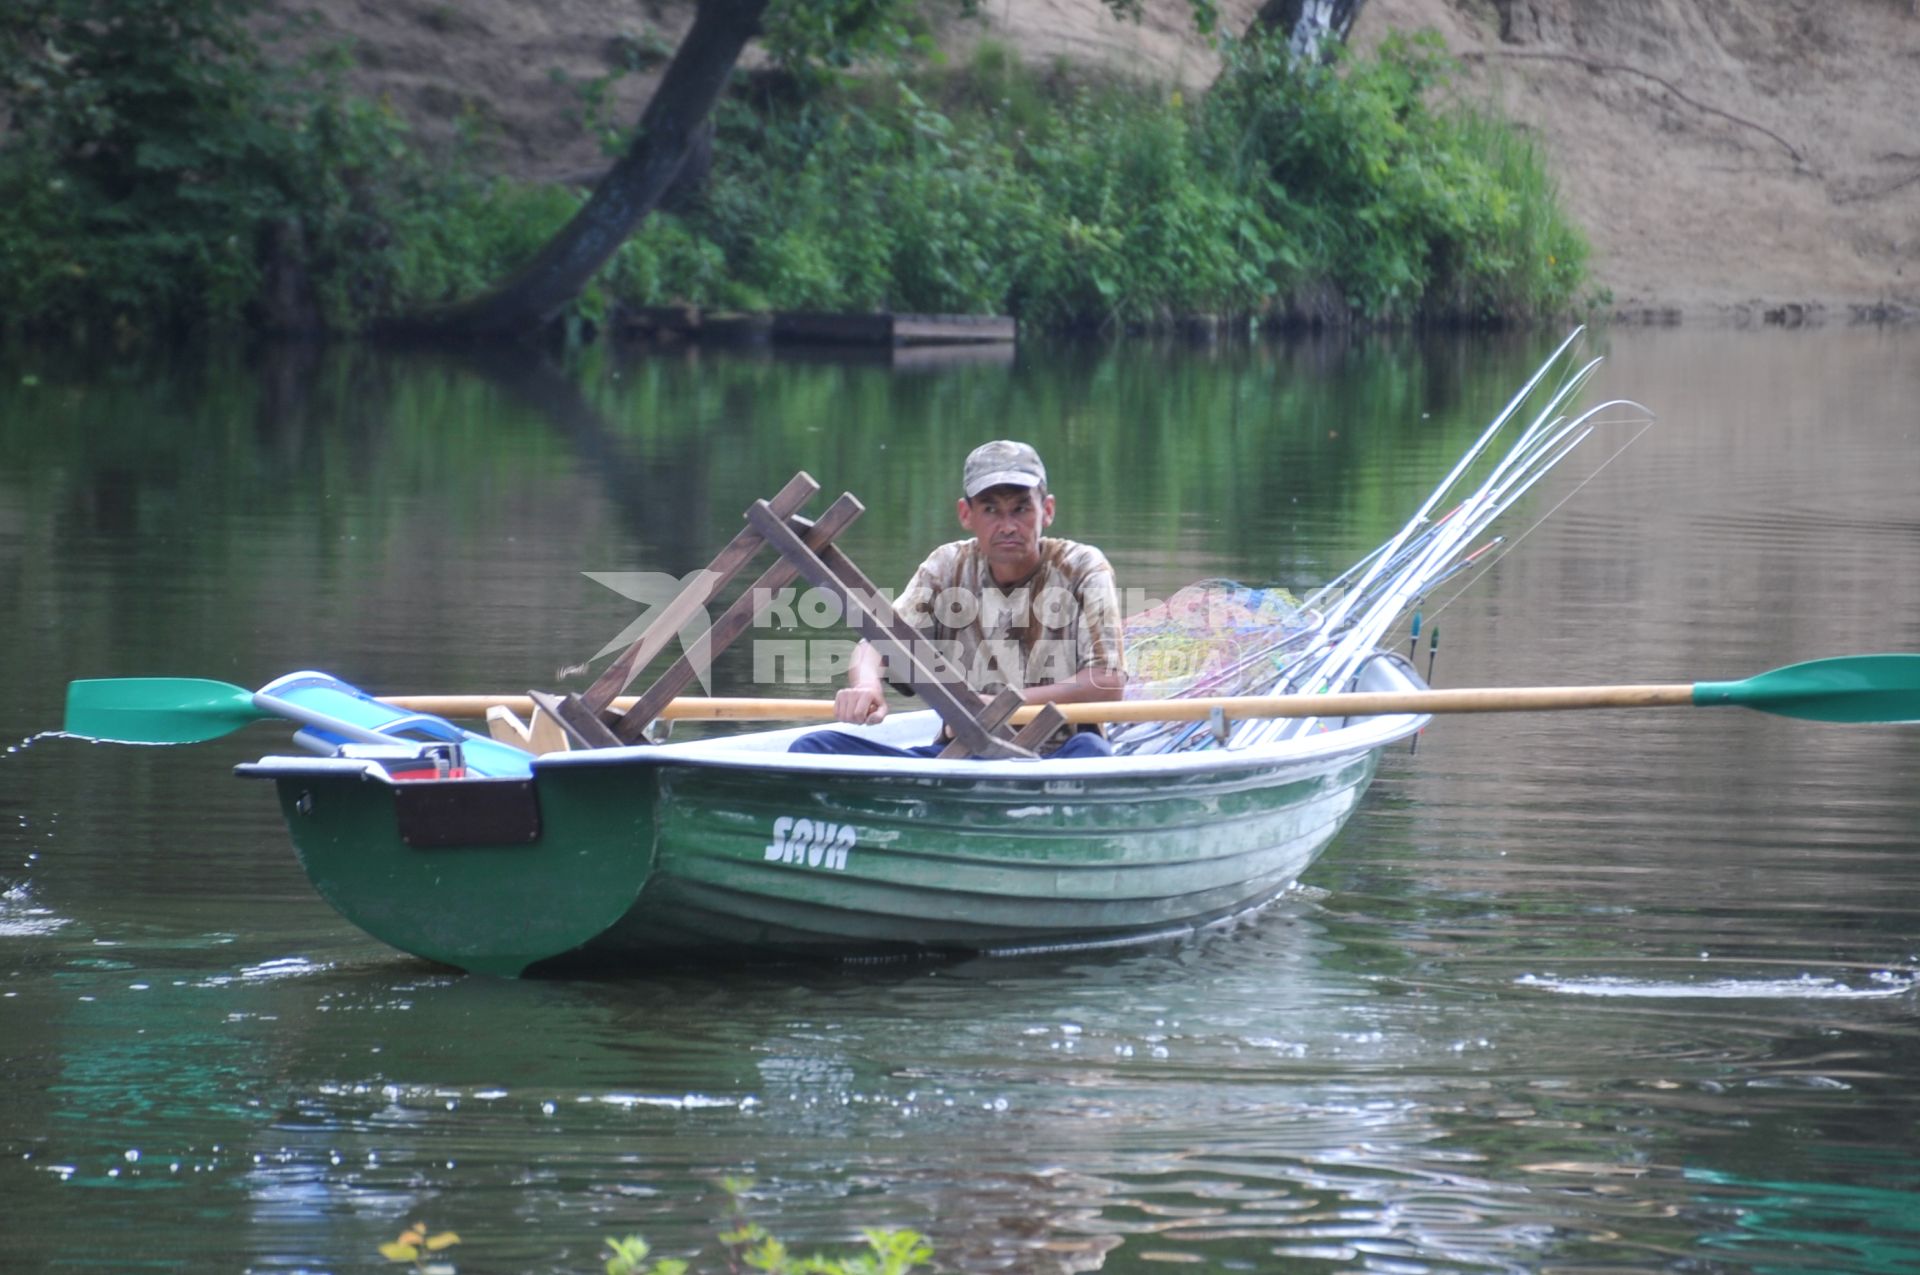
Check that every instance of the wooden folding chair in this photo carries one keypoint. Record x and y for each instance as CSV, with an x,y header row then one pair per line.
x,y
806,550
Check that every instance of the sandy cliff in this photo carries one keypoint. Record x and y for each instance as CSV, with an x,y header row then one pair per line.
x,y
1743,159
1735,157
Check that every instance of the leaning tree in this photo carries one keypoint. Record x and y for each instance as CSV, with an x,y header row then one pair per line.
x,y
668,130
672,125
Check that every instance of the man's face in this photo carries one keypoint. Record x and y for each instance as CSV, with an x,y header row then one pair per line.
x,y
1007,522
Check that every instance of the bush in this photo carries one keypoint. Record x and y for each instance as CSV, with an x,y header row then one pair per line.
x,y
1122,205
1407,209
160,174
152,152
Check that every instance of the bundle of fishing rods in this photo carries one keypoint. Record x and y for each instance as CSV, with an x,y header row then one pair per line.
x,y
1340,627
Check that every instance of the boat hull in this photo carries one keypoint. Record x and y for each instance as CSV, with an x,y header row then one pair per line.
x,y
893,865
492,901
736,848
652,863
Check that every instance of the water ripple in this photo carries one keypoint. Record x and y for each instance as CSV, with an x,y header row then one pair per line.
x,y
1803,987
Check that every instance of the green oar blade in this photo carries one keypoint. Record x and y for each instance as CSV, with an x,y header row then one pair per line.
x,y
1847,688
157,710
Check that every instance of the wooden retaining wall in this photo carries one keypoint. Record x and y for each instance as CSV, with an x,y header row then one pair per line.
x,y
798,327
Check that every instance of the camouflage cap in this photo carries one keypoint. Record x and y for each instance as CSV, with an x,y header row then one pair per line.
x,y
1001,463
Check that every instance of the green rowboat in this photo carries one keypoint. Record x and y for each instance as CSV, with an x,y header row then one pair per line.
x,y
734,847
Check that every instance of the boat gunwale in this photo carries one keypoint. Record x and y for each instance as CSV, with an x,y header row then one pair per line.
x,y
1316,751
757,751
752,751
705,754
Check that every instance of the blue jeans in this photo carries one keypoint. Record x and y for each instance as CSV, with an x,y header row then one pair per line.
x,y
847,744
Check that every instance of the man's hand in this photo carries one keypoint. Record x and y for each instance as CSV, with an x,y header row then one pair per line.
x,y
863,705
863,701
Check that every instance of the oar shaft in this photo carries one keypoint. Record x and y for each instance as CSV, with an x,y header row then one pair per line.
x,y
1519,699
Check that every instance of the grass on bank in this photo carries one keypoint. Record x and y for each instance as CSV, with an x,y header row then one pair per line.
x,y
160,174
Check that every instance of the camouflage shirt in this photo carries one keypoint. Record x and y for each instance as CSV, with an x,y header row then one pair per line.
x,y
1063,618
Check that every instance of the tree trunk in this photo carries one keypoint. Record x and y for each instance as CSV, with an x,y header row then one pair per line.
x,y
669,128
1311,26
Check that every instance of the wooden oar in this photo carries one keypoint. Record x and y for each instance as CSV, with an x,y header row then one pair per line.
x,y
1853,688
1848,688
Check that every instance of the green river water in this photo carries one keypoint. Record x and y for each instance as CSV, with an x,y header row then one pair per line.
x,y
1575,992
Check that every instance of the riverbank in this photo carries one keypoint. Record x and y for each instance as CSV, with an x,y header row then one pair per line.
x,y
1746,163
165,175
1731,161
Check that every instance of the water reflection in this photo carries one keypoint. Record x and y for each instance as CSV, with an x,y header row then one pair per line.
x,y
1869,1226
1633,991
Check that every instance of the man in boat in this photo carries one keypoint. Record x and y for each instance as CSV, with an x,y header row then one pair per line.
x,y
1007,606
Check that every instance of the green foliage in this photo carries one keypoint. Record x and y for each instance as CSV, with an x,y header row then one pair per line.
x,y
752,1249
161,175
1073,205
1134,227
1534,259
468,239
155,155
1407,208
748,1246
419,1249
628,1256
815,40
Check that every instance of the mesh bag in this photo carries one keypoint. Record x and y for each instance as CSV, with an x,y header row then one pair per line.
x,y
1216,637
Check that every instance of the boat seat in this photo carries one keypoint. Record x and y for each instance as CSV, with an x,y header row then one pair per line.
x,y
325,694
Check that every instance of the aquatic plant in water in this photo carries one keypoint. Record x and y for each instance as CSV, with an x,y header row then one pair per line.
x,y
748,1247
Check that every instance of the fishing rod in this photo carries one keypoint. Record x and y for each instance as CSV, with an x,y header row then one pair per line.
x,y
1538,456
1545,447
1449,573
1466,462
1541,447
1396,575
